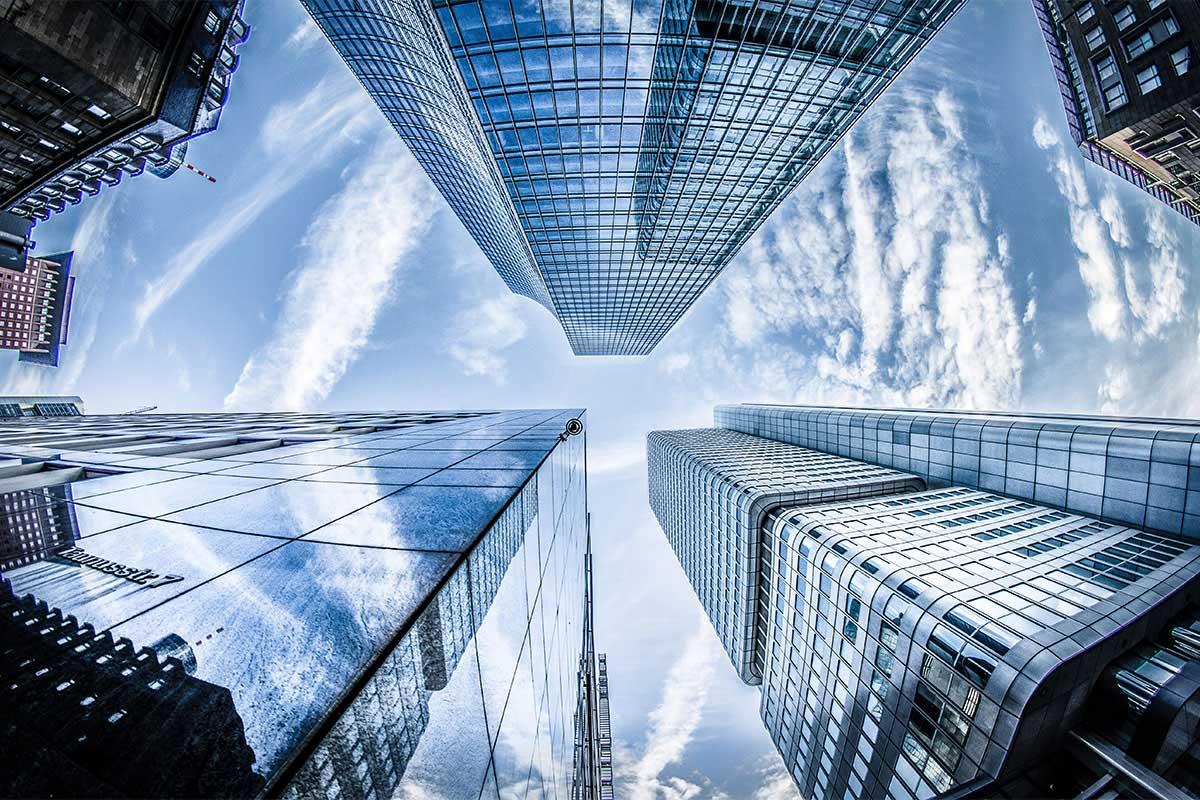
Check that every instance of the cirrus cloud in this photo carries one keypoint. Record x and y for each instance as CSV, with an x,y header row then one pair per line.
x,y
354,252
883,277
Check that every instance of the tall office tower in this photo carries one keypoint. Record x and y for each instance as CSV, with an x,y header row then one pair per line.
x,y
1130,85
303,605
611,158
91,93
35,308
951,604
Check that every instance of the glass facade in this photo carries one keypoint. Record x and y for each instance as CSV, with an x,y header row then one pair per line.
x,y
937,638
610,159
711,490
309,605
1133,471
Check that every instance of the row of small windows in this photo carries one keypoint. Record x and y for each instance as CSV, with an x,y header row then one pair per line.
x,y
954,665
1148,78
1123,16
1157,32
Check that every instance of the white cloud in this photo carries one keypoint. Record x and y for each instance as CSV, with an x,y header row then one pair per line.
x,y
354,250
1161,303
479,336
613,456
1091,234
304,37
93,266
883,277
1126,297
672,363
1113,214
298,137
674,721
775,782
1113,389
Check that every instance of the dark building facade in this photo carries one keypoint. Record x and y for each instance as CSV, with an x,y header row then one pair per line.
x,y
944,604
611,159
93,93
1129,76
304,605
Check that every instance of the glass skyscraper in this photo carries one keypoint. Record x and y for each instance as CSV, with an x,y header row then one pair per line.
x,y
361,605
951,604
611,158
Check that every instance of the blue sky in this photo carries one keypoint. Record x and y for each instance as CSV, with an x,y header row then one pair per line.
x,y
953,251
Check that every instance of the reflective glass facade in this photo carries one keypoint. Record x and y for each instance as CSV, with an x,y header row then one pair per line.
x,y
610,159
936,638
311,605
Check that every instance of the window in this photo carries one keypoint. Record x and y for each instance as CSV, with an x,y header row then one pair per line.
x,y
1124,17
1155,3
71,129
196,64
1140,44
54,86
212,23
1094,37
1106,68
98,112
1160,30
1148,79
1113,90
1085,12
1181,59
1114,96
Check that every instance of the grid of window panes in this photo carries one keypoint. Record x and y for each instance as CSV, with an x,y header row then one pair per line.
x,y
640,143
394,50
1140,472
710,488
399,591
479,698
904,636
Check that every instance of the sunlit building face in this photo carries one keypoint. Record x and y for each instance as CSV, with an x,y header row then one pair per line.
x,y
611,158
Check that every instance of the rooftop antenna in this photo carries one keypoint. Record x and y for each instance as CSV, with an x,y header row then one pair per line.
x,y
200,172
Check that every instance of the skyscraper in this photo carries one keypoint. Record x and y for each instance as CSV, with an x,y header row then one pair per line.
x,y
592,770
91,93
950,604
308,605
1130,85
35,308
610,159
